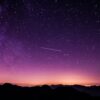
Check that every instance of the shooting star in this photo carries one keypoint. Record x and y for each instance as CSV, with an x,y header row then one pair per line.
x,y
51,49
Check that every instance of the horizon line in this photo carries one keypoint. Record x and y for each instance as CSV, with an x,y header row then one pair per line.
x,y
33,85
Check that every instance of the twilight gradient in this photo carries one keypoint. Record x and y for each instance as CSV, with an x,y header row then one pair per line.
x,y
50,42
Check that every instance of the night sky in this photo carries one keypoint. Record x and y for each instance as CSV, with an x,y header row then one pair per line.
x,y
50,42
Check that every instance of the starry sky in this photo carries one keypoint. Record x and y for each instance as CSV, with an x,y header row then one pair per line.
x,y
50,42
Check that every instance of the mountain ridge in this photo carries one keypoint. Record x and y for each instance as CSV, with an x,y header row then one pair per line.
x,y
52,92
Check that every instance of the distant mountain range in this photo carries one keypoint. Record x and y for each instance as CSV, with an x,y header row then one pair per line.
x,y
53,92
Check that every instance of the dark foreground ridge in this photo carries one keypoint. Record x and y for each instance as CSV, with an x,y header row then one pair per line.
x,y
45,92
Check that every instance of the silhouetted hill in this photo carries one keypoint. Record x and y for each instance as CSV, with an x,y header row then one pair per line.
x,y
46,92
91,90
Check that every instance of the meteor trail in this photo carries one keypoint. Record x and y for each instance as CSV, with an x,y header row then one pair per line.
x,y
51,49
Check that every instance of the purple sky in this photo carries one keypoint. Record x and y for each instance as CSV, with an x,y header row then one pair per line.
x,y
50,42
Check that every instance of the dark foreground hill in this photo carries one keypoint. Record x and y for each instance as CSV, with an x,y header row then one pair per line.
x,y
58,92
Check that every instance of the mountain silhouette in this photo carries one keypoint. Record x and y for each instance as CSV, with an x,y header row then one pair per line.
x,y
45,92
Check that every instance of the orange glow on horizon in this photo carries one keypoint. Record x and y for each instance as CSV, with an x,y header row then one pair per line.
x,y
64,79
